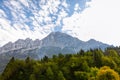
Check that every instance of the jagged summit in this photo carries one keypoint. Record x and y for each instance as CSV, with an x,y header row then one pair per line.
x,y
58,35
53,44
60,40
91,40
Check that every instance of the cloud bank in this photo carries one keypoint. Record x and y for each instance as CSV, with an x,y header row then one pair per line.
x,y
35,19
100,21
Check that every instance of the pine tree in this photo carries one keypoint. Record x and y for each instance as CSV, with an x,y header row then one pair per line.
x,y
61,76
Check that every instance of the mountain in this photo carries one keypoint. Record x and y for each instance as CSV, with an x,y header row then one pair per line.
x,y
55,39
54,43
95,44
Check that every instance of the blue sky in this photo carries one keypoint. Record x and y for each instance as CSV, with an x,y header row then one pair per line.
x,y
84,19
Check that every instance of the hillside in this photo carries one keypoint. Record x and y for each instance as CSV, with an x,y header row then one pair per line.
x,y
90,65
53,44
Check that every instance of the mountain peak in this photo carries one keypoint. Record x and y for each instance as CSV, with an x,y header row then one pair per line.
x,y
59,36
53,44
91,40
57,33
54,39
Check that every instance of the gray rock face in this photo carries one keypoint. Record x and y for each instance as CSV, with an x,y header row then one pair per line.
x,y
65,43
53,44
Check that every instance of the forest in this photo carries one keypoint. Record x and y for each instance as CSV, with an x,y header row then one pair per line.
x,y
94,64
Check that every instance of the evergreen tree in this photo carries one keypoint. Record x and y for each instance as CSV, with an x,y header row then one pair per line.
x,y
32,77
81,75
49,74
61,76
97,56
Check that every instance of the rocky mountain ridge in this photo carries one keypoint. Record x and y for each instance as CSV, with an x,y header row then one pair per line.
x,y
53,44
54,39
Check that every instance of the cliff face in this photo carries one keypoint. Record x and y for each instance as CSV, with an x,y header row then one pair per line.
x,y
55,42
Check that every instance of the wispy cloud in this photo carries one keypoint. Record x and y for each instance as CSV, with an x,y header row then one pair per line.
x,y
36,19
2,14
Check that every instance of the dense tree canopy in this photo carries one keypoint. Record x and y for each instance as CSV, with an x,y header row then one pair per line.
x,y
85,65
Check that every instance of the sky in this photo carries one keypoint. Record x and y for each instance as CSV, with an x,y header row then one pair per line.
x,y
84,19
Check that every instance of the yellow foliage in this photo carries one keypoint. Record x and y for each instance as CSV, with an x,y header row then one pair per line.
x,y
105,73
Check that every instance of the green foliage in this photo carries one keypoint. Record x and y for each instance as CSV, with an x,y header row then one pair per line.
x,y
81,75
81,52
106,61
49,74
85,65
32,77
112,53
61,76
97,56
93,72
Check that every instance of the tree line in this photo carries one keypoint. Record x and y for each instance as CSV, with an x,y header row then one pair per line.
x,y
93,64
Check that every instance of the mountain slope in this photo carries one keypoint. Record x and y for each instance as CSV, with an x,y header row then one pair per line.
x,y
54,43
54,39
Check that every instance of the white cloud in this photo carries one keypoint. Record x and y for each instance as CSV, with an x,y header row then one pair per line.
x,y
72,25
100,21
19,30
77,7
24,2
103,19
61,16
2,13
64,3
4,22
15,4
53,6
